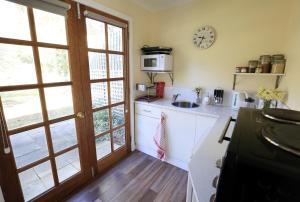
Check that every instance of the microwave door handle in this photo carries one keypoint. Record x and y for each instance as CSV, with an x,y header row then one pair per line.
x,y
222,137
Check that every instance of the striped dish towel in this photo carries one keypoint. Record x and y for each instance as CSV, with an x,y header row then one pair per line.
x,y
160,138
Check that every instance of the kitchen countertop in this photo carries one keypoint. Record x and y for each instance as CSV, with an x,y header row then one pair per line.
x,y
216,111
202,166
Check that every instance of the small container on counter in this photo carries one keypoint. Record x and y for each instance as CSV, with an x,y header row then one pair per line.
x,y
253,65
250,102
206,100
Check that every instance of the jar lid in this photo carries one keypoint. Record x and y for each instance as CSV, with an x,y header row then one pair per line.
x,y
279,61
278,57
253,61
265,56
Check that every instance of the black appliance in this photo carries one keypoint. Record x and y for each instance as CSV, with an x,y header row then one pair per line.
x,y
262,162
154,50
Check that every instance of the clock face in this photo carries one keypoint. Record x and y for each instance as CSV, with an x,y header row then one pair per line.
x,y
204,37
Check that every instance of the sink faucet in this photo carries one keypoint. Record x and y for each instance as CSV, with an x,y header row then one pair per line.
x,y
174,98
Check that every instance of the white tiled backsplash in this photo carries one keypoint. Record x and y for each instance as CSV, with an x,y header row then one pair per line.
x,y
188,94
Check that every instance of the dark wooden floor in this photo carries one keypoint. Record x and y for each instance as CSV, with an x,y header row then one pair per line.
x,y
137,178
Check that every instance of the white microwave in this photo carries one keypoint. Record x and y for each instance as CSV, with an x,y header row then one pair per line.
x,y
159,62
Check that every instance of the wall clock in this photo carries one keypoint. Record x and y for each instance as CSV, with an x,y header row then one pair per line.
x,y
204,37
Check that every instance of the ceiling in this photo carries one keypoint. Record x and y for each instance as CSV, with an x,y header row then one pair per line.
x,y
158,5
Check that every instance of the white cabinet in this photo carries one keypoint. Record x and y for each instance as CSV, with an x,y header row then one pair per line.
x,y
147,119
180,130
183,131
145,128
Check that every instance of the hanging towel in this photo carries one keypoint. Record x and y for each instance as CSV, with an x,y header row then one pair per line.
x,y
160,138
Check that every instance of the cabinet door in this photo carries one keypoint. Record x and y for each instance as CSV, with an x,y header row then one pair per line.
x,y
203,126
180,131
145,129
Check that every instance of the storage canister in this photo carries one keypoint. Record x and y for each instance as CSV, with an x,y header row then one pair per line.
x,y
253,65
265,61
278,66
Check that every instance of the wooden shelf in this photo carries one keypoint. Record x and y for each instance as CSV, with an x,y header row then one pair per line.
x,y
258,74
278,77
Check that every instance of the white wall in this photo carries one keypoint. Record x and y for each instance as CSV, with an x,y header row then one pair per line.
x,y
245,30
291,82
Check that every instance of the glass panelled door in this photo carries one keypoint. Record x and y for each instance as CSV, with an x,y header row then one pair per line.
x,y
107,79
39,98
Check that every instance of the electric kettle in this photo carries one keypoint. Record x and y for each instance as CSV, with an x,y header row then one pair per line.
x,y
238,99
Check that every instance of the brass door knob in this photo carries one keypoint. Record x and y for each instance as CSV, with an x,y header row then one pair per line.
x,y
80,115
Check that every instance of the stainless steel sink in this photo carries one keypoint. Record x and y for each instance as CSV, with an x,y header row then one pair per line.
x,y
185,104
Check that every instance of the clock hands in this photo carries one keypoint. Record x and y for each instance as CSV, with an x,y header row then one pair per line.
x,y
202,38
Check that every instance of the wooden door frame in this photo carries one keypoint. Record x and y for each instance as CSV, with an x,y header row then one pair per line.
x,y
12,190
10,183
110,160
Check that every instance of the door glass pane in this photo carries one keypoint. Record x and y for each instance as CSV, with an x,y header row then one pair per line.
x,y
95,34
29,146
101,121
14,21
54,64
59,101
16,65
116,91
119,138
115,66
36,180
103,146
21,108
67,164
118,116
97,65
63,135
50,27
99,94
115,41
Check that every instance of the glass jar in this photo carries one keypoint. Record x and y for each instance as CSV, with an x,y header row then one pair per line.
x,y
253,65
265,61
278,66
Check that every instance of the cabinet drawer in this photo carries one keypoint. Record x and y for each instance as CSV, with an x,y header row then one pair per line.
x,y
147,110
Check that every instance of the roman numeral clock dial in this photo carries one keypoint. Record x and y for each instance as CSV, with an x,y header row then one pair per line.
x,y
204,37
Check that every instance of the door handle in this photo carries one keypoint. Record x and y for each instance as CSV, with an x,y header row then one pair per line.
x,y
3,130
80,115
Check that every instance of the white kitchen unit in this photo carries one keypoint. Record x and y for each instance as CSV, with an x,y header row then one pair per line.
x,y
147,119
180,131
185,128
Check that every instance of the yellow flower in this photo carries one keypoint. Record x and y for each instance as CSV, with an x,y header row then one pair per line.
x,y
269,94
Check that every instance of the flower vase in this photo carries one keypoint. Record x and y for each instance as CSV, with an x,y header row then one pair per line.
x,y
267,104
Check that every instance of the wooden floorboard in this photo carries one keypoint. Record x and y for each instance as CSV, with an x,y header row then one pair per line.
x,y
138,178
